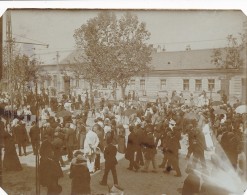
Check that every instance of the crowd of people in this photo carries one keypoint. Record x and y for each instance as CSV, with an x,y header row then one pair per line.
x,y
137,129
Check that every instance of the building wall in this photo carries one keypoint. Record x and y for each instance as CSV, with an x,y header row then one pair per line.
x,y
173,81
153,85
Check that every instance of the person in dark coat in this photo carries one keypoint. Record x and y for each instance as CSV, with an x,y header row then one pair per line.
x,y
79,175
191,183
57,148
11,161
199,145
232,148
110,162
34,134
121,139
131,149
172,147
70,140
49,171
21,137
141,133
149,149
46,148
49,131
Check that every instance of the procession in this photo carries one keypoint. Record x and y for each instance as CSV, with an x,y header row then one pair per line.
x,y
123,102
139,130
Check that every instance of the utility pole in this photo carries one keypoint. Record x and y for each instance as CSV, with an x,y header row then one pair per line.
x,y
9,76
9,55
10,66
58,74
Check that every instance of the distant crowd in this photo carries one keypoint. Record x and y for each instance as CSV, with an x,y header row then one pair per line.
x,y
139,130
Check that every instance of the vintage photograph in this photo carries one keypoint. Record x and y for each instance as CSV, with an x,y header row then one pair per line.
x,y
128,102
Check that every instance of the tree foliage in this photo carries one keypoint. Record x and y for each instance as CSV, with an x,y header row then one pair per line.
x,y
230,56
114,50
20,70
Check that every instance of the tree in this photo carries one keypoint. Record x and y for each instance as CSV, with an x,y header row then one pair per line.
x,y
20,69
132,54
114,50
229,58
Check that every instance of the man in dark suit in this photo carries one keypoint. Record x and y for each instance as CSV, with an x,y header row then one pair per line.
x,y
20,133
34,134
131,149
70,138
110,162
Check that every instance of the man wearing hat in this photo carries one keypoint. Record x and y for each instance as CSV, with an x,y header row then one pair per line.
x,y
70,140
149,149
34,134
110,162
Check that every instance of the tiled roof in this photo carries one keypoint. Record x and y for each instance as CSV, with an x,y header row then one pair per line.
x,y
177,60
192,59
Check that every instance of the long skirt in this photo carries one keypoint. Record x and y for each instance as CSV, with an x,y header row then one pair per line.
x,y
11,161
121,145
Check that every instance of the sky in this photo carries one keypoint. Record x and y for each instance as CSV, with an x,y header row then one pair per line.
x,y
171,29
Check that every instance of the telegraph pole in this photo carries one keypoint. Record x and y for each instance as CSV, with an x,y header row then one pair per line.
x,y
10,42
58,73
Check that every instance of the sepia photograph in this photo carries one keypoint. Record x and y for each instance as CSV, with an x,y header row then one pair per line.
x,y
123,102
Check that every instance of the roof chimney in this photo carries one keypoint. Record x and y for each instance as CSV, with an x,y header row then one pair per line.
x,y
188,48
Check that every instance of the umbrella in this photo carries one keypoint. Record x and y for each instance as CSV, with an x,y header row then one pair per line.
x,y
63,113
216,103
219,111
191,116
129,112
241,109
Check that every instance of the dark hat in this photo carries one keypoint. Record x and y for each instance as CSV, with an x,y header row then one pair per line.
x,y
78,152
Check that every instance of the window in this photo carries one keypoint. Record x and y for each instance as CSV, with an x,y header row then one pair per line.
x,y
186,85
198,84
162,84
142,84
55,80
211,84
77,83
132,84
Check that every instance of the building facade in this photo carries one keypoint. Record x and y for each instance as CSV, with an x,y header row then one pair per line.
x,y
187,72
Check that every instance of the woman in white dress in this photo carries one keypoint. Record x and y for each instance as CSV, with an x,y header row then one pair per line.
x,y
207,134
90,144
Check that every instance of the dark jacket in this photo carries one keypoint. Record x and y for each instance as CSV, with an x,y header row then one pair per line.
x,y
70,137
131,146
110,155
149,146
49,173
20,133
46,149
199,143
80,176
34,133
